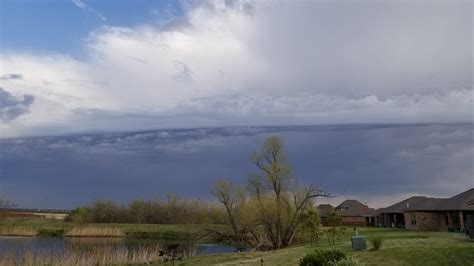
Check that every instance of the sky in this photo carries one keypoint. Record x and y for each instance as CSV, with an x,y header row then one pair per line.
x,y
376,164
69,69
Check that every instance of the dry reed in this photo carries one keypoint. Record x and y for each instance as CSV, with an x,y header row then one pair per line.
x,y
95,232
18,231
77,256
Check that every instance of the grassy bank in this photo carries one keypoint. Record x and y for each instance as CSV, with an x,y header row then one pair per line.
x,y
41,227
399,248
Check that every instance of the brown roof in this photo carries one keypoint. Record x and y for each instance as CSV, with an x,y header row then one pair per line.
x,y
461,202
371,212
430,204
353,208
404,205
324,209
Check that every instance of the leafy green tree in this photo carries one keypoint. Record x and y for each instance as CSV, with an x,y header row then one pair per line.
x,y
282,200
173,210
138,210
311,224
278,201
80,215
334,221
106,212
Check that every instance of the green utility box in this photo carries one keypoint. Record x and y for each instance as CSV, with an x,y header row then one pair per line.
x,y
359,243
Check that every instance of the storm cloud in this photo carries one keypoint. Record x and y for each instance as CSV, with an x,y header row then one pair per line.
x,y
12,107
374,163
11,76
393,78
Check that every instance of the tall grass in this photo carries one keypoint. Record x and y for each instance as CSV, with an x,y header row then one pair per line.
x,y
82,256
91,231
18,231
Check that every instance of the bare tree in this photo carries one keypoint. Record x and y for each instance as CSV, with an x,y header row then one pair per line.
x,y
233,203
5,204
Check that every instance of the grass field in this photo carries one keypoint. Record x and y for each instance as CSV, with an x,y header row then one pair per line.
x,y
400,248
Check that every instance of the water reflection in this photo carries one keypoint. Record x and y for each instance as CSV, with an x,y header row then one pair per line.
x,y
58,244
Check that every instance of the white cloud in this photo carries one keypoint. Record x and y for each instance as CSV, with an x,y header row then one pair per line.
x,y
266,63
82,5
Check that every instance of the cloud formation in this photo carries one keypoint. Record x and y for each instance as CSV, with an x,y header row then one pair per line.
x,y
11,76
250,63
377,164
11,107
82,5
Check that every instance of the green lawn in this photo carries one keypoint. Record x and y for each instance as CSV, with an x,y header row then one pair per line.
x,y
400,248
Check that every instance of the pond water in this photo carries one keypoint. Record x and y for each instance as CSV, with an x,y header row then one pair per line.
x,y
60,244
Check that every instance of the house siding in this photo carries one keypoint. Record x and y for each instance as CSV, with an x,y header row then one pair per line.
x,y
426,221
353,220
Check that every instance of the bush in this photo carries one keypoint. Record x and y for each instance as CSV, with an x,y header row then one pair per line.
x,y
51,232
377,242
323,257
349,261
171,211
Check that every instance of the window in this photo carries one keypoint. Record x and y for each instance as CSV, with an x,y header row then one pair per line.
x,y
413,218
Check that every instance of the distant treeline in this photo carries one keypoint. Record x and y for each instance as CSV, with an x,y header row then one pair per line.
x,y
173,210
11,209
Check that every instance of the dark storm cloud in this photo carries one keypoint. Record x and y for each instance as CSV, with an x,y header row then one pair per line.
x,y
11,107
11,76
364,161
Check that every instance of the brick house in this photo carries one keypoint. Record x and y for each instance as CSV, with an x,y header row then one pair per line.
x,y
434,214
354,212
442,215
394,215
323,211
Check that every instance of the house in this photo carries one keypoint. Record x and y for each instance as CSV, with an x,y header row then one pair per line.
x,y
444,214
323,211
34,213
394,215
423,213
354,212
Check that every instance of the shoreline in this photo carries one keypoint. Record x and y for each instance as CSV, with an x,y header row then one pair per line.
x,y
53,228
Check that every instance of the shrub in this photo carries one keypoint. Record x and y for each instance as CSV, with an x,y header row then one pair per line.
x,y
51,232
171,211
79,215
322,257
349,261
377,242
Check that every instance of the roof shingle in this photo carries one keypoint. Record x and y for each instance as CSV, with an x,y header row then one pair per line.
x,y
461,202
353,208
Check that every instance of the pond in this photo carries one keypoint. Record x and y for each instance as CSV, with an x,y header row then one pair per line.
x,y
60,244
